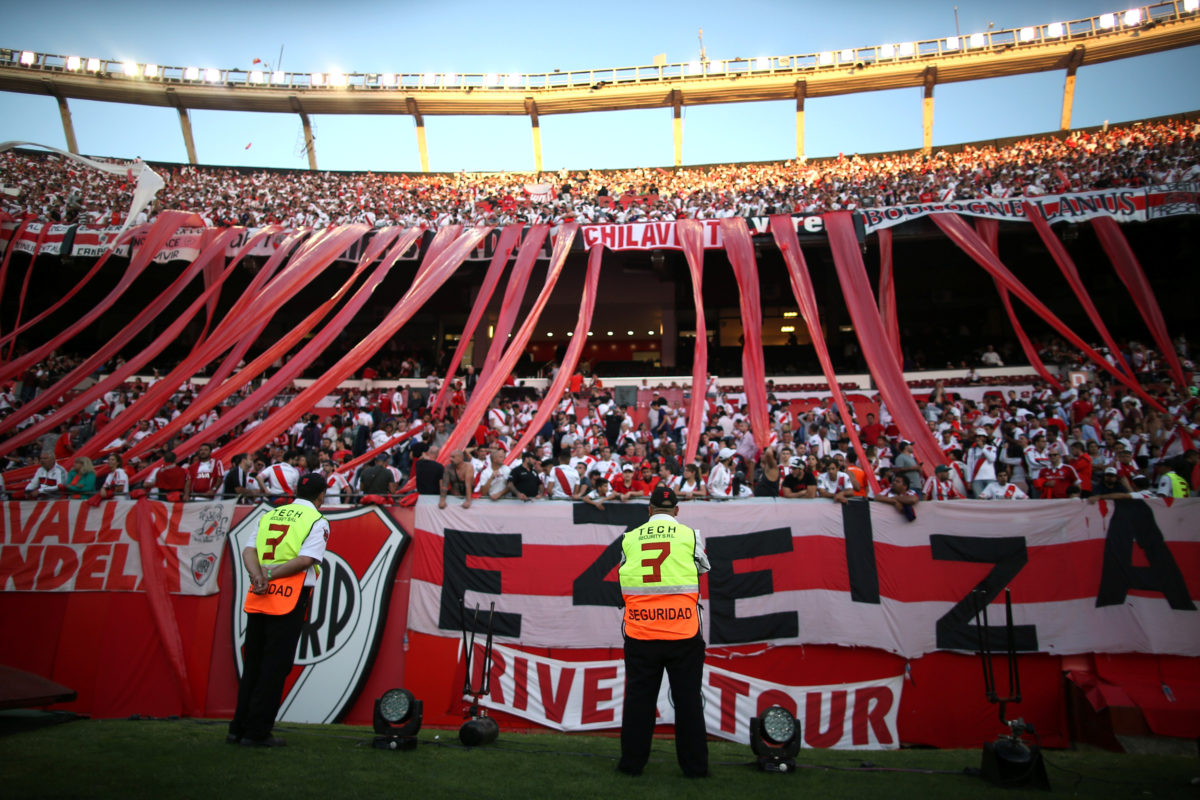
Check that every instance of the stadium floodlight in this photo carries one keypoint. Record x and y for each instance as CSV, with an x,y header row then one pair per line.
x,y
397,720
212,75
516,79
1191,5
609,333
387,79
649,333
951,43
549,334
337,79
278,77
429,79
716,66
93,65
1108,21
1133,17
825,59
150,71
256,76
907,50
695,67
191,74
887,51
1054,30
28,57
570,333
491,79
589,333
847,55
449,79
1027,34
762,62
787,328
316,79
73,63
977,40
775,739
130,69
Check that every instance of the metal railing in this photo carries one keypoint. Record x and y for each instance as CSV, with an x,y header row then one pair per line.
x,y
991,41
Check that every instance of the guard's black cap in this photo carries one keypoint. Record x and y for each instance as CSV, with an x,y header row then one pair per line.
x,y
310,486
663,497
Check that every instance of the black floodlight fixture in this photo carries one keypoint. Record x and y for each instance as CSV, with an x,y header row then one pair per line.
x,y
775,739
397,720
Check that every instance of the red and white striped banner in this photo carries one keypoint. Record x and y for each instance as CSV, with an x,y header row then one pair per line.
x,y
1109,577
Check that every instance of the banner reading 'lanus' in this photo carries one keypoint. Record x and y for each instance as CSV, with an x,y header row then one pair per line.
x,y
1108,577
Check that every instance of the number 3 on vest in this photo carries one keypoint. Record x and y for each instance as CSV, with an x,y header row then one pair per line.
x,y
655,564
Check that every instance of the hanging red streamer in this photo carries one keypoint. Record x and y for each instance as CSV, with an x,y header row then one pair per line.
x,y
508,240
740,250
789,247
873,340
689,233
37,248
1130,271
587,305
887,295
513,294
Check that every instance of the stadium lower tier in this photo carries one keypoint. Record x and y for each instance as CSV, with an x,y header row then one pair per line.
x,y
862,623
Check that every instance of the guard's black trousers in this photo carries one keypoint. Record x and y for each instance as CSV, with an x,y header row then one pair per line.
x,y
266,661
645,660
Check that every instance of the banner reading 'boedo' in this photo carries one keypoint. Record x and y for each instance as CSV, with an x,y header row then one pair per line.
x,y
1085,578
73,546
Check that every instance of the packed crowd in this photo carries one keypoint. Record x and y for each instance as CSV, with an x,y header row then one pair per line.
x,y
1095,440
1142,154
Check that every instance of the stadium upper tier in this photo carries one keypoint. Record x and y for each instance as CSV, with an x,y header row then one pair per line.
x,y
1140,154
987,54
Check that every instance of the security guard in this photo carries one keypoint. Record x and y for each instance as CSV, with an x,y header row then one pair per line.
x,y
282,560
661,563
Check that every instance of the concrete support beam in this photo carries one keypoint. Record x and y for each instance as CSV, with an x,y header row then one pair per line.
x,y
422,146
185,125
531,109
677,106
68,127
1073,62
927,109
801,93
310,142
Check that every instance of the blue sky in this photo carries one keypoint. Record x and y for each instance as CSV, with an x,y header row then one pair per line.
x,y
463,36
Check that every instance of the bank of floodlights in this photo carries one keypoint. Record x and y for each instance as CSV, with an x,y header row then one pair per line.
x,y
775,740
397,720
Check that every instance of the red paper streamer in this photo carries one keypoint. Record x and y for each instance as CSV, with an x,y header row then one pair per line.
x,y
887,295
789,247
740,250
513,294
689,233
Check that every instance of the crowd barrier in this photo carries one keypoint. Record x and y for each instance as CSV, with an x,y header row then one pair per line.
x,y
855,618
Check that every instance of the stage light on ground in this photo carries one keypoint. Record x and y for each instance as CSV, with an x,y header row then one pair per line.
x,y
130,69
191,74
951,43
478,731
1054,30
397,720
93,65
775,739
73,63
212,75
27,58
1027,34
1108,21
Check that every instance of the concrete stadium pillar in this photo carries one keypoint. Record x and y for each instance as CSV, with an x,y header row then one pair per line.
x,y
422,147
677,106
310,144
185,125
801,93
531,109
68,128
1074,60
927,109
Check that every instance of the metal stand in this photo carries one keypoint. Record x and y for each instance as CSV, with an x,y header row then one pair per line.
x,y
479,729
1008,762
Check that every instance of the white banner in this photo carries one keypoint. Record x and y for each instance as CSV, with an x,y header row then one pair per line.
x,y
589,695
1084,578
71,546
